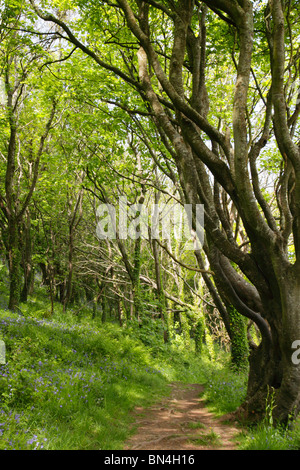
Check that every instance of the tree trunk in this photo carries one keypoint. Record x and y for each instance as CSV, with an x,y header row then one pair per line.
x,y
281,371
14,260
158,277
239,340
27,261
288,396
73,224
69,286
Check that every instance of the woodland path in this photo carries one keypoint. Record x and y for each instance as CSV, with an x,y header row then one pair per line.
x,y
181,422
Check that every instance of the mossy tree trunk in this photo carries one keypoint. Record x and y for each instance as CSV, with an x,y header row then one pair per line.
x,y
239,340
27,259
14,262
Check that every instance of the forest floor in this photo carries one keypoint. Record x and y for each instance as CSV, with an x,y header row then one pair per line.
x,y
181,421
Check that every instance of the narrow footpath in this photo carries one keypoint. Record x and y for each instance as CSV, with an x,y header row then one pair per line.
x,y
181,422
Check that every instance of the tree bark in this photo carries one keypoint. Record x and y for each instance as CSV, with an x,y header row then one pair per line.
x,y
26,259
14,257
73,224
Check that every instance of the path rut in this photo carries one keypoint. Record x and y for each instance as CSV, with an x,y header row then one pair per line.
x,y
181,422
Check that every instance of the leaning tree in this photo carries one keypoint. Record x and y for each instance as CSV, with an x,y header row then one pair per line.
x,y
167,51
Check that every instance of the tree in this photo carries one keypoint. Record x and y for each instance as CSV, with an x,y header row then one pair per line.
x,y
169,45
22,151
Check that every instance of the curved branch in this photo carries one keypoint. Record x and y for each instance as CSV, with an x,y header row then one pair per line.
x,y
59,60
51,18
235,299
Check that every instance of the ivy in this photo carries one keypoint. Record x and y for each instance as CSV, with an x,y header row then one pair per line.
x,y
239,341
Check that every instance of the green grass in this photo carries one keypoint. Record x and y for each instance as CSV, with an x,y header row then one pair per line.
x,y
70,386
225,388
267,437
70,382
210,439
196,425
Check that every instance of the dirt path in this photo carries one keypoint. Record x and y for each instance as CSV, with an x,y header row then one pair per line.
x,y
181,422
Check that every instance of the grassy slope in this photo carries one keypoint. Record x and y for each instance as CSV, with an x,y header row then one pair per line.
x,y
70,383
71,386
